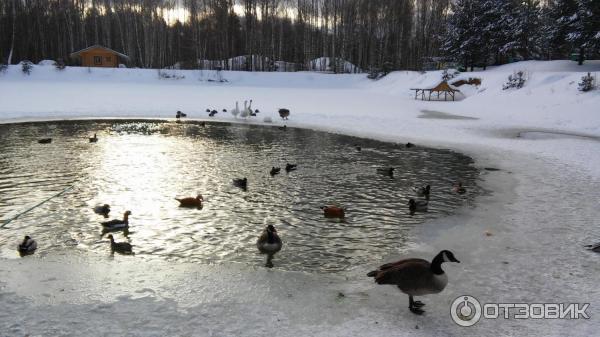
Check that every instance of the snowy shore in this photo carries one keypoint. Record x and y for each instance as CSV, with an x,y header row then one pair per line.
x,y
541,209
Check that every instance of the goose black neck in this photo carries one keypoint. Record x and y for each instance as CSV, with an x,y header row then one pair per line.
x,y
270,237
436,264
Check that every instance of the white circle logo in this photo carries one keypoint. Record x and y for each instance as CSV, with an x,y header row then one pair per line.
x,y
465,310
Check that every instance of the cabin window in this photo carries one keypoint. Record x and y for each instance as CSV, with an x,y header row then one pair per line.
x,y
109,59
98,60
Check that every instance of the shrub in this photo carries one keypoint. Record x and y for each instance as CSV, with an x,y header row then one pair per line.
x,y
26,67
516,80
587,83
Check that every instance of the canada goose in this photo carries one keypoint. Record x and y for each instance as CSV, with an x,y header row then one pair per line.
x,y
102,210
45,141
241,183
28,246
275,170
420,206
415,277
94,139
333,212
284,113
387,171
408,145
119,247
458,188
423,191
116,223
269,243
191,201
290,167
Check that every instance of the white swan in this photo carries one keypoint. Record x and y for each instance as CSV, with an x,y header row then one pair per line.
x,y
245,112
250,109
235,111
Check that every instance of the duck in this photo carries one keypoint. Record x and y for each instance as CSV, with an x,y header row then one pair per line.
x,y
419,205
594,248
269,243
458,188
290,167
178,114
275,170
94,139
283,128
191,201
213,113
388,171
333,212
208,110
241,183
235,111
357,147
45,141
28,246
253,114
409,145
120,247
102,210
116,223
415,277
423,191
284,113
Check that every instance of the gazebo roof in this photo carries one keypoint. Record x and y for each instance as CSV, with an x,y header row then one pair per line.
x,y
97,46
444,86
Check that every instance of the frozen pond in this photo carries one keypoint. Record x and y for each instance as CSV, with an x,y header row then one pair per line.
x,y
142,166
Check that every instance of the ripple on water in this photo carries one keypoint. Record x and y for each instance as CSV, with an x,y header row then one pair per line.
x,y
143,166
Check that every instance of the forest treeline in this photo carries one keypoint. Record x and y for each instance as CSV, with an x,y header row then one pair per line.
x,y
372,34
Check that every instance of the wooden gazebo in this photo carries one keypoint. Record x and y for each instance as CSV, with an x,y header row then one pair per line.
x,y
443,87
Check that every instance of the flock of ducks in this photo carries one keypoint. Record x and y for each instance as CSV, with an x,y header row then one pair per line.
x,y
413,276
246,112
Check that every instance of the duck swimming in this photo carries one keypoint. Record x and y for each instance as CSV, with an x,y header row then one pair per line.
x,y
120,247
417,206
102,210
269,243
94,139
415,277
458,188
28,246
290,167
191,202
388,171
275,170
116,223
333,212
423,191
241,183
45,141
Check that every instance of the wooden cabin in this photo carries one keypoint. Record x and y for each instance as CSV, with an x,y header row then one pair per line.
x,y
99,56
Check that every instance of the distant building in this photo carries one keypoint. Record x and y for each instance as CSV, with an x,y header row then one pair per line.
x,y
99,56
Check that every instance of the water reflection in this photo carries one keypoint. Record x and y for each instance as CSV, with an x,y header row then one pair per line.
x,y
144,166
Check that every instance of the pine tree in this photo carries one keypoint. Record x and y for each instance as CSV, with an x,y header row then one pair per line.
x,y
525,30
584,26
463,39
557,26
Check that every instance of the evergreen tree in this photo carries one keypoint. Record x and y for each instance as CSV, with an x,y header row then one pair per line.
x,y
585,28
525,30
557,26
463,39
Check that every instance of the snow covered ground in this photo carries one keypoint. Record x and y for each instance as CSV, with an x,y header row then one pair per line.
x,y
541,209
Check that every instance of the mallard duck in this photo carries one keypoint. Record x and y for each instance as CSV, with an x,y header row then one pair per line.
x,y
388,171
275,170
595,247
120,247
116,223
415,277
284,113
45,141
423,191
269,243
102,210
290,167
191,201
419,205
28,246
94,139
241,183
458,188
333,212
